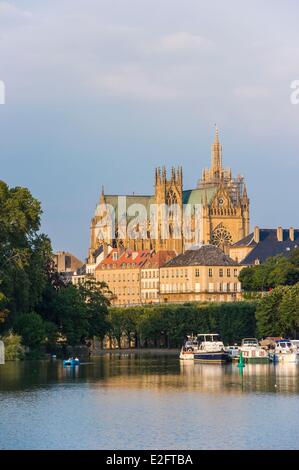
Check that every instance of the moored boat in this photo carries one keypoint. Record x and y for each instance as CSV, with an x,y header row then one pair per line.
x,y
233,352
285,352
211,349
253,353
188,349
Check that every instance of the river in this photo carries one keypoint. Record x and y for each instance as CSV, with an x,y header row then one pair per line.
x,y
143,400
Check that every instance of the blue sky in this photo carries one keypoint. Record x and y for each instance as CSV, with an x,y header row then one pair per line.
x,y
102,91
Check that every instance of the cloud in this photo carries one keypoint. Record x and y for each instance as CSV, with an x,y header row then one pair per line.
x,y
180,42
134,84
252,92
10,15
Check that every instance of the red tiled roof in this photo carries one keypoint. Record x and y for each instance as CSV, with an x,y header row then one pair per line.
x,y
125,259
157,260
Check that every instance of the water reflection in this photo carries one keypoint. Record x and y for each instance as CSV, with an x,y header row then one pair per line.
x,y
161,372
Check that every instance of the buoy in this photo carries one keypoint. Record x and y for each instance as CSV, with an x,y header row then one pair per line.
x,y
241,361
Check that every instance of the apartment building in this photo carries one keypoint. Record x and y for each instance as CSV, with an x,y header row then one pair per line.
x,y
201,274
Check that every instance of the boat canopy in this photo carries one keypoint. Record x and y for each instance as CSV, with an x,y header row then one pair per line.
x,y
208,337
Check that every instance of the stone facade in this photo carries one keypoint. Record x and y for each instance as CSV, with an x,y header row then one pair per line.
x,y
223,220
206,274
143,277
120,270
66,262
150,276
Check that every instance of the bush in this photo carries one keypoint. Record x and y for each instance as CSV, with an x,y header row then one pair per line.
x,y
32,328
168,324
13,347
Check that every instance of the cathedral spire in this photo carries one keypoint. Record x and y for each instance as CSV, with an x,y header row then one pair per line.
x,y
216,155
102,197
244,195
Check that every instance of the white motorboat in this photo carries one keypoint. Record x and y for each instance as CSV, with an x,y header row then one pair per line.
x,y
285,351
253,353
188,349
211,349
233,351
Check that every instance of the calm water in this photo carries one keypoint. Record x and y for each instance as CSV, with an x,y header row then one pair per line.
x,y
148,401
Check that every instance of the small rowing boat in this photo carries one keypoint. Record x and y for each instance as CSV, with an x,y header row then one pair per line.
x,y
71,362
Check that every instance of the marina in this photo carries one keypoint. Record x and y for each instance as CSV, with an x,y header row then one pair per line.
x,y
208,348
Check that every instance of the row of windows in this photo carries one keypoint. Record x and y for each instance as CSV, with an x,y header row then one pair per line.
x,y
167,274
123,265
149,295
122,277
126,291
150,274
174,273
228,272
212,287
185,287
150,284
184,273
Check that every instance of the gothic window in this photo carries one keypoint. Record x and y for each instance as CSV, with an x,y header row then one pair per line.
x,y
171,197
221,236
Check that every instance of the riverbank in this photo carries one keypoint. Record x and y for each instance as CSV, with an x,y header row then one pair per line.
x,y
137,351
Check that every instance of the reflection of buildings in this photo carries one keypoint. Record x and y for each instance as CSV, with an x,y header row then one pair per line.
x,y
165,373
162,373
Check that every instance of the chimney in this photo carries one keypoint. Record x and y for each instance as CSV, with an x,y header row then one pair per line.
x,y
291,234
279,234
256,235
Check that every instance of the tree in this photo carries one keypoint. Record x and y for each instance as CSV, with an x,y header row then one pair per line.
x,y
21,250
289,311
275,271
294,257
79,312
268,313
69,314
32,329
94,294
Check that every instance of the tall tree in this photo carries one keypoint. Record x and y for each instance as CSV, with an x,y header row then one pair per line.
x,y
268,313
289,311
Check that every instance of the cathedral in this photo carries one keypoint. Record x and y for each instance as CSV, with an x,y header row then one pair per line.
x,y
223,218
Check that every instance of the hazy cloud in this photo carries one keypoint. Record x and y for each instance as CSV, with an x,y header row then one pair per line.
x,y
91,84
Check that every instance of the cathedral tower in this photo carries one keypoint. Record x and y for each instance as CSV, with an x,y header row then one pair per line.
x,y
169,196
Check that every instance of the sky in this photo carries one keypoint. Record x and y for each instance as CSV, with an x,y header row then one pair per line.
x,y
100,92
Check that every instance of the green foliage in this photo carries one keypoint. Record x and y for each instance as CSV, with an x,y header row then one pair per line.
x,y
23,252
294,257
275,271
169,324
268,313
13,347
78,312
31,328
289,311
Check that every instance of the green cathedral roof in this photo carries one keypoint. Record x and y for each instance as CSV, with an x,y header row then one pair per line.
x,y
193,196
